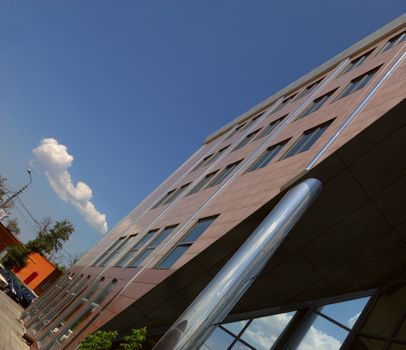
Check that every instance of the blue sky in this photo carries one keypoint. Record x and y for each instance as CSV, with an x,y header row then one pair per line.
x,y
131,88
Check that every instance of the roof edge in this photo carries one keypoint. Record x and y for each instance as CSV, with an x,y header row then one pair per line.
x,y
392,26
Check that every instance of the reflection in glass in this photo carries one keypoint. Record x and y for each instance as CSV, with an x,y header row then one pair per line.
x,y
263,332
235,327
346,312
218,340
322,335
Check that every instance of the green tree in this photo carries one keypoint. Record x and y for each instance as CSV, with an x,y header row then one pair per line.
x,y
16,256
51,237
100,340
135,339
49,240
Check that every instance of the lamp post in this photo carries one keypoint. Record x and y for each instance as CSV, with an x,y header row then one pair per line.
x,y
3,205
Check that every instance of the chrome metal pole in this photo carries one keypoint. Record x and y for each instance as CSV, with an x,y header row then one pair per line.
x,y
223,292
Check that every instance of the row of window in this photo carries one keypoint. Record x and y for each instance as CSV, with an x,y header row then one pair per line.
x,y
141,249
310,88
308,138
138,253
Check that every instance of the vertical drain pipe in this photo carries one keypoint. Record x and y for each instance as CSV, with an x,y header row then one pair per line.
x,y
223,292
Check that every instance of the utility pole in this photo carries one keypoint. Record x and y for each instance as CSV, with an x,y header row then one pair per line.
x,y
3,205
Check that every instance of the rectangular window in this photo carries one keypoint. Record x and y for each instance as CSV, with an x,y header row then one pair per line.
x,y
310,88
316,104
119,248
394,41
358,83
223,174
151,246
246,140
108,251
356,62
270,127
135,249
202,183
267,156
202,162
163,199
217,155
307,140
176,194
183,245
236,130
283,103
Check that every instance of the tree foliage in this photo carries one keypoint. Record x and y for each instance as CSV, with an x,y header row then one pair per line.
x,y
16,256
103,340
12,225
135,339
51,236
49,240
100,340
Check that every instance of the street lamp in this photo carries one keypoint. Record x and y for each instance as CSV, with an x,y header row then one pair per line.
x,y
18,192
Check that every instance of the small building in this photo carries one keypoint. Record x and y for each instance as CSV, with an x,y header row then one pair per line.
x,y
39,273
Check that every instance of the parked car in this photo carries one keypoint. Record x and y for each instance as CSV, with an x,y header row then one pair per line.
x,y
16,289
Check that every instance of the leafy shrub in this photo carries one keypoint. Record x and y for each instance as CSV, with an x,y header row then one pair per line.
x,y
135,339
100,340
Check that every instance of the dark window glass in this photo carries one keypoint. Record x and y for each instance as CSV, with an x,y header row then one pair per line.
x,y
270,127
108,251
307,140
151,246
316,104
246,139
236,130
358,83
394,41
173,256
202,162
223,174
120,247
356,62
176,194
135,248
267,156
140,258
197,230
283,103
308,90
191,236
217,155
163,199
202,183
250,122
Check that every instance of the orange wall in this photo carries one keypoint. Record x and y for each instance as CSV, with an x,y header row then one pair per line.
x,y
38,269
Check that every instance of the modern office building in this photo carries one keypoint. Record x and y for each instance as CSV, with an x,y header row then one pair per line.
x,y
338,278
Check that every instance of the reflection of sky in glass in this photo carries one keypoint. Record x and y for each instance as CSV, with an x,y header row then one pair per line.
x,y
345,312
235,327
240,346
323,335
219,340
263,332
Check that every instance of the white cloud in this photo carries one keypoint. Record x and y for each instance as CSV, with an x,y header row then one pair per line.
x,y
56,161
353,319
316,339
263,332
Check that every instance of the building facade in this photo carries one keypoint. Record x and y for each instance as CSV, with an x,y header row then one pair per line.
x,y
336,281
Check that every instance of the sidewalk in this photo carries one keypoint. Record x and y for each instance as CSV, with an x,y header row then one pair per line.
x,y
11,330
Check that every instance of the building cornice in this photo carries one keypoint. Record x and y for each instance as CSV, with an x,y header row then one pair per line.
x,y
371,39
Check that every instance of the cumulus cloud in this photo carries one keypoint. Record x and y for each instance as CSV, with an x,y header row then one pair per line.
x,y
263,332
56,160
